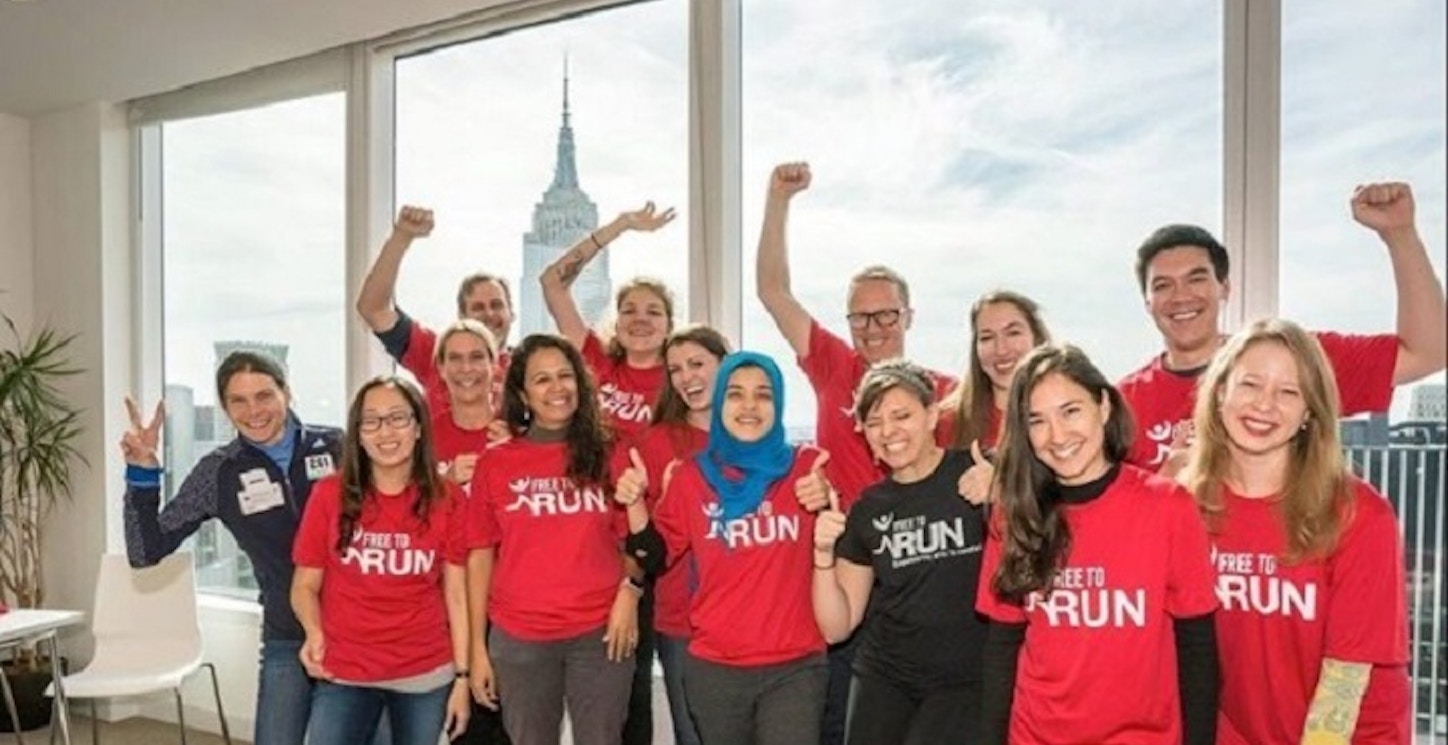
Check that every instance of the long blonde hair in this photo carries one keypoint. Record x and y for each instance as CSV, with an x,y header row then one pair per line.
x,y
1317,496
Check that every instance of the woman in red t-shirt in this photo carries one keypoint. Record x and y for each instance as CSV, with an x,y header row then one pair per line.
x,y
1004,326
546,572
1313,629
680,430
755,671
465,358
379,586
629,366
1096,577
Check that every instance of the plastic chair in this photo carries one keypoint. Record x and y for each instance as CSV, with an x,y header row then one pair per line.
x,y
148,637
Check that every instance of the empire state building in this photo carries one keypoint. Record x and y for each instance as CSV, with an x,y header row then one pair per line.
x,y
565,215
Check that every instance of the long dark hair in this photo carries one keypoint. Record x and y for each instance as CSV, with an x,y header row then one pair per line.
x,y
588,437
1036,539
671,408
357,481
973,399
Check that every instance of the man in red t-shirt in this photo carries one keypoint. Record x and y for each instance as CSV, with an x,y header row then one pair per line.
x,y
879,314
482,297
1182,272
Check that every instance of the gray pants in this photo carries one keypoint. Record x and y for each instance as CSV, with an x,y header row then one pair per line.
x,y
768,705
535,679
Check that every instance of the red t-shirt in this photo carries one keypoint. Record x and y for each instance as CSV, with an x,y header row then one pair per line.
x,y
1161,401
834,370
945,429
449,440
559,546
384,615
751,604
627,395
1279,621
418,360
660,445
1099,661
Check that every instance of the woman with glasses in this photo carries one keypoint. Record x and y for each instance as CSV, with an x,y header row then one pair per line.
x,y
680,430
629,367
546,573
755,671
1312,629
906,563
1097,577
380,581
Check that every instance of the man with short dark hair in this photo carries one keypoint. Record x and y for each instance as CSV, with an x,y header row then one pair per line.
x,y
482,297
1182,272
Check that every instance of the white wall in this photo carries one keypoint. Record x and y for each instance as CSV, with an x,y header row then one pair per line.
x,y
16,246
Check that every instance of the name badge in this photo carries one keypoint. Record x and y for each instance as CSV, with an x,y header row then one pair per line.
x,y
319,466
259,493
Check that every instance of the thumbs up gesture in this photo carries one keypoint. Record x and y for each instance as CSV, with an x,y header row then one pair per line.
x,y
813,490
829,526
634,482
977,484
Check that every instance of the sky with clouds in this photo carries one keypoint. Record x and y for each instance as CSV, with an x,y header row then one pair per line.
x,y
972,145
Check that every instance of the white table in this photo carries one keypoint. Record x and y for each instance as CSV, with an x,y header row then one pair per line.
x,y
22,625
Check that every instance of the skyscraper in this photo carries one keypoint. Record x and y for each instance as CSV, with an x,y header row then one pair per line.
x,y
565,215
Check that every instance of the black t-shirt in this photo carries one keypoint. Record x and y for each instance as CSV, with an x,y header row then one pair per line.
x,y
924,542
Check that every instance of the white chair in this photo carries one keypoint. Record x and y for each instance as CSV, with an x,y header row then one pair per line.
x,y
148,636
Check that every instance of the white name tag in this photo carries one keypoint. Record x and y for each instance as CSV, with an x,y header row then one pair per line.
x,y
259,493
319,466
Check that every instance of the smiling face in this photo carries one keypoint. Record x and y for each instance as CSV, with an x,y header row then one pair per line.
x,y
467,368
388,428
643,322
692,370
1185,298
487,302
879,334
1067,429
1002,337
1262,403
257,407
550,388
900,429
748,413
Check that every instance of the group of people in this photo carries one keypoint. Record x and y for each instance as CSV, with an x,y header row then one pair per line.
x,y
1028,554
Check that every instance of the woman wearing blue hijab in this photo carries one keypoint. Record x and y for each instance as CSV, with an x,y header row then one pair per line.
x,y
755,673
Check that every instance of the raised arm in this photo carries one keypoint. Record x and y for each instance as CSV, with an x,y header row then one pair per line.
x,y
558,278
374,300
1422,320
153,533
771,274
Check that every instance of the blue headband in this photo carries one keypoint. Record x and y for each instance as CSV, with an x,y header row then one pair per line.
x,y
761,463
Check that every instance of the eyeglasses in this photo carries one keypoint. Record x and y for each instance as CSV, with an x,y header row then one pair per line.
x,y
883,318
395,420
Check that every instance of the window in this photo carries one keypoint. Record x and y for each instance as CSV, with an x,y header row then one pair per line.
x,y
524,142
976,147
252,252
1362,101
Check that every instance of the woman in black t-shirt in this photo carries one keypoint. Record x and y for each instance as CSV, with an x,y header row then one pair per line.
x,y
908,565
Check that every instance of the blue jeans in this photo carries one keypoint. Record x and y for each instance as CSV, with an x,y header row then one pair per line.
x,y
347,715
672,650
283,695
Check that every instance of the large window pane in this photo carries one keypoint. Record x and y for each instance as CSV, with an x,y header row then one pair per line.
x,y
253,259
483,138
979,145
1363,100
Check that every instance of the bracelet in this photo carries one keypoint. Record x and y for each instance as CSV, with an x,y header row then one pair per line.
x,y
460,675
632,583
594,238
829,566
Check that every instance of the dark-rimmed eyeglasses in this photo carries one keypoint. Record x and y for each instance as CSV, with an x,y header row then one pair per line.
x,y
883,318
395,420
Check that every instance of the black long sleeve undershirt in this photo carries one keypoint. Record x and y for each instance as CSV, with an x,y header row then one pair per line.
x,y
1198,677
648,549
998,679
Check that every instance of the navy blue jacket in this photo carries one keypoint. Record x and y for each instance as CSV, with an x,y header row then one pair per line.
x,y
214,489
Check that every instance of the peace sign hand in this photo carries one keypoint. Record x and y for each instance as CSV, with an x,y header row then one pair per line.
x,y
141,441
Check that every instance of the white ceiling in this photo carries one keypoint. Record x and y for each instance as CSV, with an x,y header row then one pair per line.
x,y
58,53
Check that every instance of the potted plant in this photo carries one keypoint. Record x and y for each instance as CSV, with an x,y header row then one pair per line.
x,y
38,431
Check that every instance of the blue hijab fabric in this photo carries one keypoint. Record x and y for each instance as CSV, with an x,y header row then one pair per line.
x,y
761,463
